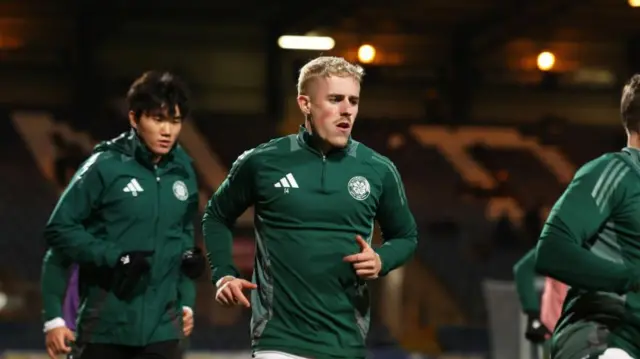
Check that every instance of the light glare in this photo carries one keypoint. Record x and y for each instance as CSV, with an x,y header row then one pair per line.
x,y
292,42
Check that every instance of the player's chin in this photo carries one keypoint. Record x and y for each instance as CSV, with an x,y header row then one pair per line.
x,y
339,141
160,150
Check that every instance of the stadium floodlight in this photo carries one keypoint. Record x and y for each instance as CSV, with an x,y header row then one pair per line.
x,y
634,3
366,53
292,42
546,60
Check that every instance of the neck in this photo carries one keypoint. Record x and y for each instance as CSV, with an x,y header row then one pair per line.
x,y
323,146
155,159
633,140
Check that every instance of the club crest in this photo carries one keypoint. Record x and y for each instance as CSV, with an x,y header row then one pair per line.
x,y
180,190
359,188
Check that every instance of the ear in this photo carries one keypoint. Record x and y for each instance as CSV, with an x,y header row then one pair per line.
x,y
304,102
132,120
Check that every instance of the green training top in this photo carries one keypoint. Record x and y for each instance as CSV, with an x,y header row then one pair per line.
x,y
590,242
309,207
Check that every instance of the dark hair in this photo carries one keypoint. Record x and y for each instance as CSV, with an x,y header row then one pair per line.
x,y
156,90
630,104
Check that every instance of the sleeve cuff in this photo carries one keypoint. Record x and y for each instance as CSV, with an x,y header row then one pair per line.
x,y
112,258
384,270
53,324
219,281
222,272
532,313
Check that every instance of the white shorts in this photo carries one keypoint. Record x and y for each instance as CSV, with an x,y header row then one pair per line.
x,y
269,354
614,353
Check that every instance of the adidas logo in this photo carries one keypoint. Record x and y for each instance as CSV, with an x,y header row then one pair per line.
x,y
286,182
134,187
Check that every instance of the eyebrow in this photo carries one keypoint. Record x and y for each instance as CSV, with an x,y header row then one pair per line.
x,y
339,94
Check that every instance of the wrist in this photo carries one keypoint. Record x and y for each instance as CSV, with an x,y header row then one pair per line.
x,y
379,263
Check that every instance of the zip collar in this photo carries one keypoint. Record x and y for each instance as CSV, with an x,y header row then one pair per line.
x,y
142,153
306,139
633,152
130,144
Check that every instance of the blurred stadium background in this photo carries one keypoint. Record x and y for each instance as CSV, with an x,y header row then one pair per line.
x,y
486,106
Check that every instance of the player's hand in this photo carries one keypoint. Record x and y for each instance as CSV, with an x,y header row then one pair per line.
x,y
536,332
367,263
193,263
229,292
129,270
187,321
57,341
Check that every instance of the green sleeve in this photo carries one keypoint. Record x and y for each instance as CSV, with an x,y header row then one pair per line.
x,y
53,284
595,194
229,202
524,273
187,286
398,227
65,231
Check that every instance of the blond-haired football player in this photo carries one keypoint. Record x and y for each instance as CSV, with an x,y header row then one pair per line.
x,y
317,195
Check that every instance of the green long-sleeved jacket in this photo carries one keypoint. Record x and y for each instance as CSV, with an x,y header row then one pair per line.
x,y
119,201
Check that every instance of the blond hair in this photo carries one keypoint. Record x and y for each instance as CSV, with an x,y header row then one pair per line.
x,y
326,66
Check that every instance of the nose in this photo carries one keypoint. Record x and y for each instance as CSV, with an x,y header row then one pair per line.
x,y
346,109
165,129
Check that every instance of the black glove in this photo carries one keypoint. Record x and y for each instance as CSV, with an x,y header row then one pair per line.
x,y
129,270
193,263
536,331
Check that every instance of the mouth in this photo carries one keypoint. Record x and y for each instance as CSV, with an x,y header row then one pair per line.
x,y
343,125
164,143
